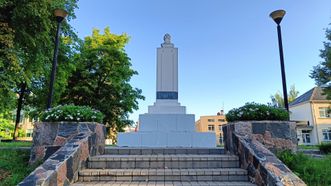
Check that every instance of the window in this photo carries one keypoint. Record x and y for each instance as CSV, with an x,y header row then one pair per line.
x,y
221,138
324,112
305,136
221,120
211,128
326,134
220,127
29,133
211,120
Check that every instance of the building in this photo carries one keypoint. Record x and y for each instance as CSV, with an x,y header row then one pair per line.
x,y
25,125
212,124
311,110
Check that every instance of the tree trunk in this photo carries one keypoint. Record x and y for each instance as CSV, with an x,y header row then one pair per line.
x,y
19,108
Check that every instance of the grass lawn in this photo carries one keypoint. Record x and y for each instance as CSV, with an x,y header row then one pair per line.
x,y
308,147
16,144
313,171
14,166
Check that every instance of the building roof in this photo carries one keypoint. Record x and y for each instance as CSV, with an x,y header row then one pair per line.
x,y
315,93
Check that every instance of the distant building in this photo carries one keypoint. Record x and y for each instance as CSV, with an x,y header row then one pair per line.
x,y
26,125
212,124
311,110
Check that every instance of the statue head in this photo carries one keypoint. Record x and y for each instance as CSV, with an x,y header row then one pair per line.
x,y
167,38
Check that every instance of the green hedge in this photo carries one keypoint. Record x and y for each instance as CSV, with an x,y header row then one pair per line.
x,y
325,148
258,112
72,113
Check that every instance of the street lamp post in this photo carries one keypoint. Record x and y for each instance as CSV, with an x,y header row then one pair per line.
x,y
277,16
59,15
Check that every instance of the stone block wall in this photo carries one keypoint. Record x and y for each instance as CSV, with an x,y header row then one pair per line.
x,y
75,143
48,137
254,142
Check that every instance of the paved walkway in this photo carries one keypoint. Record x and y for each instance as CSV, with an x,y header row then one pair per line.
x,y
163,184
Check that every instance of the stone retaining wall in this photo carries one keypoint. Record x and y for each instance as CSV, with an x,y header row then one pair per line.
x,y
48,137
253,142
75,142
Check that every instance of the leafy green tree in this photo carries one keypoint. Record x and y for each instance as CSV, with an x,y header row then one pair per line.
x,y
322,72
278,99
101,79
27,46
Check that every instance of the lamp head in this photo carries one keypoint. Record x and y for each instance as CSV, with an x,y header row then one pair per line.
x,y
60,14
277,16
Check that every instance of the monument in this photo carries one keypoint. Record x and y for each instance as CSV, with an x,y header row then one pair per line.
x,y
166,124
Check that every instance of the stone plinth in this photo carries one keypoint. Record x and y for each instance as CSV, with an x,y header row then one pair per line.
x,y
48,137
167,130
166,106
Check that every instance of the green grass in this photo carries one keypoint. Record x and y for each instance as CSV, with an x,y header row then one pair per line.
x,y
312,171
308,147
14,166
16,144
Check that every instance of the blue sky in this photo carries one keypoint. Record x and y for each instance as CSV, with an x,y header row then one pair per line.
x,y
228,50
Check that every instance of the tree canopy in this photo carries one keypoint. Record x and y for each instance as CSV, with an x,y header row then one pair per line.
x,y
101,78
322,72
278,100
26,38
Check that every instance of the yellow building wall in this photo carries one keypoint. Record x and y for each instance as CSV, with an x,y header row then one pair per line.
x,y
217,121
320,122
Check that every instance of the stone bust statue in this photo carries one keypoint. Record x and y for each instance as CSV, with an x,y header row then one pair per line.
x,y
167,38
167,41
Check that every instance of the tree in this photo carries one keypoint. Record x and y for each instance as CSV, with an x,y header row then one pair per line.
x,y
101,79
322,72
278,100
28,29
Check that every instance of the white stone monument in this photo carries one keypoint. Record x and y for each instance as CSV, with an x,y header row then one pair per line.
x,y
166,124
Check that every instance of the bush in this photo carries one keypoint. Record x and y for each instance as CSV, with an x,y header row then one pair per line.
x,y
312,171
325,148
257,112
72,113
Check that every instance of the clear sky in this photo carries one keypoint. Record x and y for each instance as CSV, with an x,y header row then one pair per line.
x,y
228,50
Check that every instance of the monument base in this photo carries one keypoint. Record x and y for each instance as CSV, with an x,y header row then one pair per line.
x,y
166,106
167,130
167,139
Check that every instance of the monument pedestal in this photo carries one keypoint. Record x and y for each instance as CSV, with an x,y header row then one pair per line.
x,y
167,130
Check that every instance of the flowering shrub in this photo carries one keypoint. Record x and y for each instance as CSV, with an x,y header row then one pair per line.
x,y
72,113
258,112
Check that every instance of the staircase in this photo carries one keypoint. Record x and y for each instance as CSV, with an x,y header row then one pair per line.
x,y
163,166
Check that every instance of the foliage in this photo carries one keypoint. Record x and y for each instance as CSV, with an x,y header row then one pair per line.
x,y
325,148
278,99
27,33
15,144
72,113
14,166
101,78
312,171
6,128
255,111
322,72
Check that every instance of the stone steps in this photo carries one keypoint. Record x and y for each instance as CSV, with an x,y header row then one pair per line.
x,y
162,183
159,151
163,166
181,161
224,174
